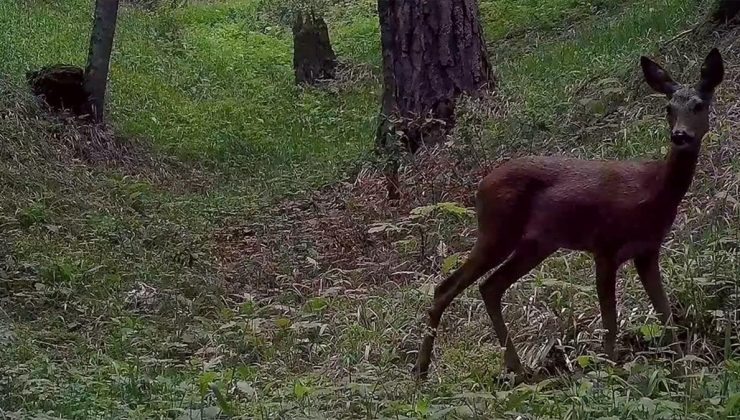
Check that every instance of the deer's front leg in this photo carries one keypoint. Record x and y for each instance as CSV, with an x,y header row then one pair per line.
x,y
606,281
648,269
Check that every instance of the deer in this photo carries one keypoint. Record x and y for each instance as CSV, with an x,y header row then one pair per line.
x,y
616,210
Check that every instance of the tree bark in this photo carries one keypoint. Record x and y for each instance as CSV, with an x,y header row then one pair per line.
x,y
433,51
313,57
98,61
725,11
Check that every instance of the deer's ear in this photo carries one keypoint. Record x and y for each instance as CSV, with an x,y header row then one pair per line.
x,y
657,78
712,72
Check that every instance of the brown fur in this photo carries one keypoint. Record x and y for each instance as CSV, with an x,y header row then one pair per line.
x,y
617,210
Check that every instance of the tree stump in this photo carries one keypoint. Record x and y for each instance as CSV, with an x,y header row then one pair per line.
x,y
313,57
61,88
725,11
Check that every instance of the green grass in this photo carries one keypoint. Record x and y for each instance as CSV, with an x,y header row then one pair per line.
x,y
507,19
553,70
205,84
112,300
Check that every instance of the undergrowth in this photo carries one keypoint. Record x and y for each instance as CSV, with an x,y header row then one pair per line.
x,y
212,256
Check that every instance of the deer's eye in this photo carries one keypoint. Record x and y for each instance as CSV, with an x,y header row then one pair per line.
x,y
698,107
668,109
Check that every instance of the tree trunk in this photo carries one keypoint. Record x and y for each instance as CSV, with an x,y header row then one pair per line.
x,y
98,60
725,11
433,51
313,57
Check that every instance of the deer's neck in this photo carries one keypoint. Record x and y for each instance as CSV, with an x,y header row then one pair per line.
x,y
679,172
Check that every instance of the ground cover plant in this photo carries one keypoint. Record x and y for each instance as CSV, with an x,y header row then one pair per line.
x,y
224,249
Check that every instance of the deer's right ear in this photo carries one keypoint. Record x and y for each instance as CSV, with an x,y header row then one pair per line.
x,y
712,72
657,78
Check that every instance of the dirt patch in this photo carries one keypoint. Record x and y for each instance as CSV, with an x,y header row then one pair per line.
x,y
304,242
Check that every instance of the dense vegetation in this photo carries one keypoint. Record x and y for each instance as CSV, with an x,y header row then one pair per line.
x,y
209,258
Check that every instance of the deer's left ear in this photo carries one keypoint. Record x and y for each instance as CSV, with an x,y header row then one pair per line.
x,y
657,78
712,72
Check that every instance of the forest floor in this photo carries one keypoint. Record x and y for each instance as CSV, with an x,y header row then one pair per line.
x,y
225,249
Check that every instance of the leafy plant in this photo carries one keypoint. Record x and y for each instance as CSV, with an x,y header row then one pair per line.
x,y
32,215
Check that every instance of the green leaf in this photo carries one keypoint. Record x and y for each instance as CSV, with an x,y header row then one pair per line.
x,y
444,208
514,400
651,331
732,407
449,263
421,407
300,390
422,211
584,386
647,404
455,209
221,399
317,304
282,323
671,405
583,361
204,381
247,308
226,313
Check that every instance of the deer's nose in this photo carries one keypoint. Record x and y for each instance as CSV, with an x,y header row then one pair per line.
x,y
679,137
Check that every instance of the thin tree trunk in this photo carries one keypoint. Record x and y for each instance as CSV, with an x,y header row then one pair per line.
x,y
98,61
433,51
386,139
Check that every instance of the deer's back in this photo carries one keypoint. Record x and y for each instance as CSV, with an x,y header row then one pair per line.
x,y
582,204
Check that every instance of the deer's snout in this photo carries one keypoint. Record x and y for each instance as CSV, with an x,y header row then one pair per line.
x,y
681,137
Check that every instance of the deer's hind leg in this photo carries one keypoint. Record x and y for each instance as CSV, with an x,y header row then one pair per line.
x,y
528,255
483,257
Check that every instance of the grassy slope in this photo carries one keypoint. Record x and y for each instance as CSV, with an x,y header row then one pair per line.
x,y
211,84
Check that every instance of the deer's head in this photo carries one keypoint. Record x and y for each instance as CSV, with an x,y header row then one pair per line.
x,y
688,106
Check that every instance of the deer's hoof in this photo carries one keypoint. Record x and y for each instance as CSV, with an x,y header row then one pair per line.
x,y
523,375
420,372
514,366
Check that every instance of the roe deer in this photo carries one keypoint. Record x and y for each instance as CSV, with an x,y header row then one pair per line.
x,y
529,208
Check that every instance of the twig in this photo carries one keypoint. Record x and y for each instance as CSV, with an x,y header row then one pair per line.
x,y
682,34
